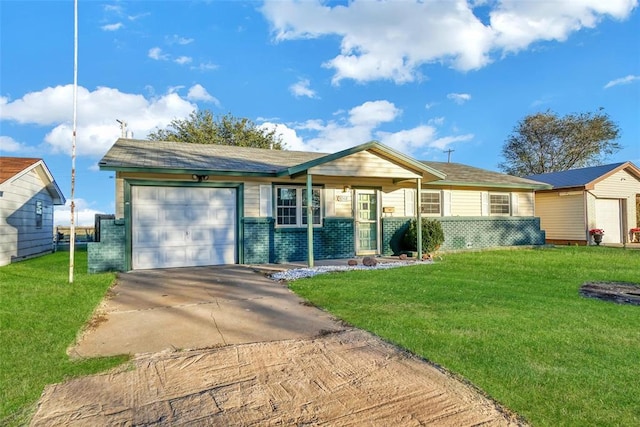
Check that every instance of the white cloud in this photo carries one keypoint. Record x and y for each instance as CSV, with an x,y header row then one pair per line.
x,y
361,124
517,24
290,138
176,39
302,88
373,113
183,60
98,110
199,93
156,53
112,27
84,214
622,81
205,66
392,39
117,9
444,142
459,98
438,121
10,145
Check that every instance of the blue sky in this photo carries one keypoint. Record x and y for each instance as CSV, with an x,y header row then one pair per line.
x,y
422,77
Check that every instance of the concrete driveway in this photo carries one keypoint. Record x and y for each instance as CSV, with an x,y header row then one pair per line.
x,y
186,308
280,369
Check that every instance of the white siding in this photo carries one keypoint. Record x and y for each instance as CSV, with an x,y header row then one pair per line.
x,y
252,199
394,200
621,185
19,236
562,217
363,164
466,203
119,197
526,204
342,203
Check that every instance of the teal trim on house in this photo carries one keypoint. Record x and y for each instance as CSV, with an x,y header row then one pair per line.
x,y
188,172
467,233
109,254
446,183
486,232
266,243
259,240
393,229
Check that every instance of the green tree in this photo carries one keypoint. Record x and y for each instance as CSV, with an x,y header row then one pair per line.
x,y
545,142
202,127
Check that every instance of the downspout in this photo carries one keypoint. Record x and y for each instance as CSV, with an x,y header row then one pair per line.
x,y
418,220
309,221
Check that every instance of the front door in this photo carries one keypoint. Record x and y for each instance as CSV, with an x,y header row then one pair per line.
x,y
366,211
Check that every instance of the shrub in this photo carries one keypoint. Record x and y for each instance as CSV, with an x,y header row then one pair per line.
x,y
432,235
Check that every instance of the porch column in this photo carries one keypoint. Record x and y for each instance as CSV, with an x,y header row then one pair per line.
x,y
309,220
418,219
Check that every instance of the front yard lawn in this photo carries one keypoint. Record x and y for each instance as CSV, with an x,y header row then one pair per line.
x,y
512,323
40,315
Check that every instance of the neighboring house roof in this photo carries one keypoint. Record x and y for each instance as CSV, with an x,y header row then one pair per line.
x,y
12,168
584,177
176,157
462,175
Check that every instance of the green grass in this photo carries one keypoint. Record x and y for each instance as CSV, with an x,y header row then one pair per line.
x,y
40,316
512,323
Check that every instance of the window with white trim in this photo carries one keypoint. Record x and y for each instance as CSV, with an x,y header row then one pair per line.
x,y
430,203
291,206
499,204
38,213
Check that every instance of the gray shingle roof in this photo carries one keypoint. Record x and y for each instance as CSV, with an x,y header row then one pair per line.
x,y
134,154
463,174
137,154
575,177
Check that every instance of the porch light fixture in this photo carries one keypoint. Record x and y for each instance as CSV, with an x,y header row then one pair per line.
x,y
200,178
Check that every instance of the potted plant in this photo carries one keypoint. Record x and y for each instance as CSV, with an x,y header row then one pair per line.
x,y
596,233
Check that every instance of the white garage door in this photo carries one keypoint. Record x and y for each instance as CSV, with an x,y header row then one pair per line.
x,y
182,226
608,218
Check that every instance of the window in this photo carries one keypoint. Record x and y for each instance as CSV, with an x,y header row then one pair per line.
x,y
499,204
291,206
38,213
315,206
430,203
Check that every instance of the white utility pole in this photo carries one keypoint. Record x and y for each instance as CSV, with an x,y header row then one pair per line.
x,y
72,237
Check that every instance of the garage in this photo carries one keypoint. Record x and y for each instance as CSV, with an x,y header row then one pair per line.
x,y
609,219
182,226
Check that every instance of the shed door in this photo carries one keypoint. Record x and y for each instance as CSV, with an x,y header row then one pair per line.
x,y
609,219
182,226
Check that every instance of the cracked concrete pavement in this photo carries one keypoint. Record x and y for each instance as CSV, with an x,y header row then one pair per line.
x,y
185,308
